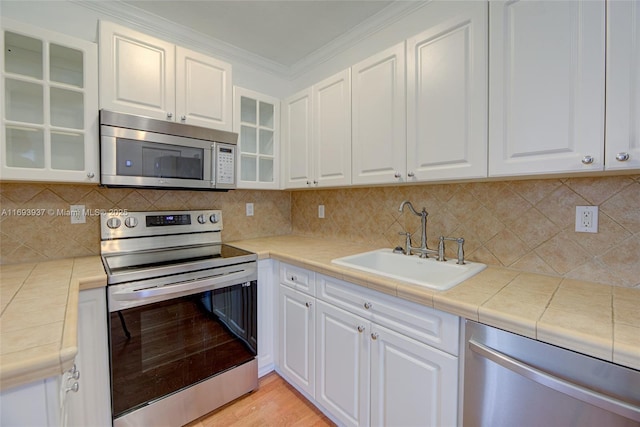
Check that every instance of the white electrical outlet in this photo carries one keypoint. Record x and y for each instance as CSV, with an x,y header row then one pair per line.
x,y
587,219
320,211
76,212
249,208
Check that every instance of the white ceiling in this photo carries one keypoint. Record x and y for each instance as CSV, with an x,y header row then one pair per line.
x,y
285,32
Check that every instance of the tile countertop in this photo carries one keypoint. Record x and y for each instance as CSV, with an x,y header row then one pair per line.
x,y
39,303
39,320
599,320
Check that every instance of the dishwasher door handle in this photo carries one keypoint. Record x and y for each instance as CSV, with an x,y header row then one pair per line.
x,y
591,397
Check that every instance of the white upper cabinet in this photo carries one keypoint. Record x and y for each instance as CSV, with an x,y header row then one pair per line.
x,y
547,87
49,110
622,140
297,139
203,90
379,118
447,94
317,134
332,130
142,75
256,119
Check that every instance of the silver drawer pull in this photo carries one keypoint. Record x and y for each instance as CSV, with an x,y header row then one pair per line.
x,y
374,336
587,160
360,328
74,388
622,157
308,304
367,305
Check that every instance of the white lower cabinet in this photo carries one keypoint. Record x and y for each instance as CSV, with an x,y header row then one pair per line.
x,y
297,339
342,364
412,384
372,359
91,405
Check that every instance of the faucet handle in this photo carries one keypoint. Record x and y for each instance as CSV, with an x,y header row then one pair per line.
x,y
460,242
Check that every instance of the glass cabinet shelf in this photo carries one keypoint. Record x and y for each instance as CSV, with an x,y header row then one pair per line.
x,y
50,108
257,141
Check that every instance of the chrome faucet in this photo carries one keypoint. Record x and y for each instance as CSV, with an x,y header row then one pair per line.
x,y
422,250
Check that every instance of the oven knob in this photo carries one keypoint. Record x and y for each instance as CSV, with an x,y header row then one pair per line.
x,y
213,218
113,222
131,222
202,219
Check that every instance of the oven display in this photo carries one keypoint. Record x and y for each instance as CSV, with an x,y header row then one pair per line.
x,y
162,220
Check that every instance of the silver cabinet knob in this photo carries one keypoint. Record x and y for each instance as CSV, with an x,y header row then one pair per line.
x,y
367,305
360,328
315,182
308,182
622,157
91,175
74,387
587,160
308,304
411,174
397,175
294,278
183,118
169,115
374,336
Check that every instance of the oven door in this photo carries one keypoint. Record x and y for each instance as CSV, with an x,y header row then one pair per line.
x,y
163,341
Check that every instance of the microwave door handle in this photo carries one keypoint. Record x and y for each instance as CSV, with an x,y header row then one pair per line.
x,y
215,282
214,156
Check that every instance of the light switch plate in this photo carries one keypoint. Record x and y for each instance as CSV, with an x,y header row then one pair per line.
x,y
320,211
249,209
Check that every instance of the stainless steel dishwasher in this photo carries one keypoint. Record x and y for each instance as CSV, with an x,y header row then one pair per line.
x,y
510,380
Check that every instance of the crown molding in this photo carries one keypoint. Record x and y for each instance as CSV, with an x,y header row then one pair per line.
x,y
157,26
163,28
387,16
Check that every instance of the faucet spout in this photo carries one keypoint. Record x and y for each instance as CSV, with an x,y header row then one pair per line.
x,y
423,250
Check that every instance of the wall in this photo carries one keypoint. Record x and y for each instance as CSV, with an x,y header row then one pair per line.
x,y
527,225
51,235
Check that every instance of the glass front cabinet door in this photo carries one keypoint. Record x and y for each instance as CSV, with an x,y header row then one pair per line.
x,y
49,110
256,117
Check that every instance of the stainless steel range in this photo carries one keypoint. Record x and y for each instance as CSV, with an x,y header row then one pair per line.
x,y
182,316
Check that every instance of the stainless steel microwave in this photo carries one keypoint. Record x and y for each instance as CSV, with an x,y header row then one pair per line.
x,y
139,151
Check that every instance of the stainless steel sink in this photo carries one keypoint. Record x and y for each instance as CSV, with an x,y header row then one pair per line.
x,y
428,272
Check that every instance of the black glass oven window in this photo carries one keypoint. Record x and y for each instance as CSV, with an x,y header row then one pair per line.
x,y
156,160
163,347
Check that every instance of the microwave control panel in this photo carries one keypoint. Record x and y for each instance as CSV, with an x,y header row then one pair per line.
x,y
225,164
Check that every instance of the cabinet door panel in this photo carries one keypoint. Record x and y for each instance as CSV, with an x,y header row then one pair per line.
x,y
447,94
546,100
297,338
332,130
623,85
379,118
342,364
411,383
297,133
203,90
137,72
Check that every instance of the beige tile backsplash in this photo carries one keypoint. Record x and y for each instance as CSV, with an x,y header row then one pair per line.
x,y
51,236
527,225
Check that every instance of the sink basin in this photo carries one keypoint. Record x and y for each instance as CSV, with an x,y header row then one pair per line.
x,y
427,272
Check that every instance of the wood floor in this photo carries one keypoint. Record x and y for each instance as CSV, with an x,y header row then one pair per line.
x,y
275,403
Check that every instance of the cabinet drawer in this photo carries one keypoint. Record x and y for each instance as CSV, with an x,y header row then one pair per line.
x,y
298,278
424,324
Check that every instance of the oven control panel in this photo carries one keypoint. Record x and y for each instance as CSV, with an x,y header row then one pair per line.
x,y
118,225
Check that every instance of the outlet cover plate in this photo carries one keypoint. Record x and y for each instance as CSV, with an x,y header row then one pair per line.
x,y
249,209
586,219
320,211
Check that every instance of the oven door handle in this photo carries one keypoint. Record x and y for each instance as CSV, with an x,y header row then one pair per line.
x,y
187,287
